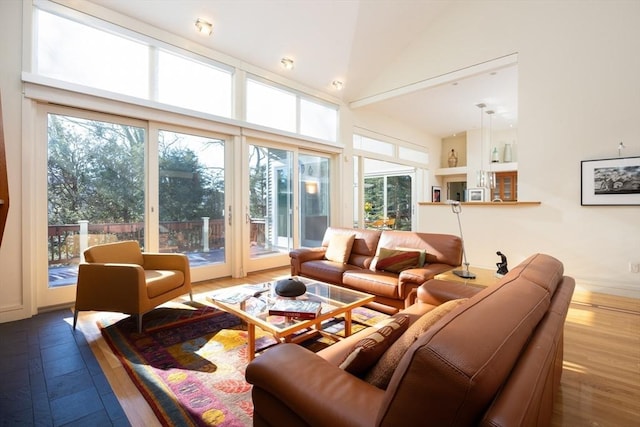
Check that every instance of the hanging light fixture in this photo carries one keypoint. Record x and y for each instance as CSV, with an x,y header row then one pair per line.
x,y
481,175
491,180
486,179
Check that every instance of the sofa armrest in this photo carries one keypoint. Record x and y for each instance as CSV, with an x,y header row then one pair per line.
x,y
308,254
154,261
313,389
110,287
414,277
436,292
302,255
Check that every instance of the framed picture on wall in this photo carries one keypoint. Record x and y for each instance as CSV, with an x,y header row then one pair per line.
x,y
435,194
610,182
475,195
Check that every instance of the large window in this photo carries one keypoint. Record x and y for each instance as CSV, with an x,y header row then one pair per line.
x,y
387,178
163,179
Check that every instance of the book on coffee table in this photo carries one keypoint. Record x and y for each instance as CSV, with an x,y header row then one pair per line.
x,y
237,294
299,309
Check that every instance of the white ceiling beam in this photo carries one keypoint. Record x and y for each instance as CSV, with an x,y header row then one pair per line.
x,y
473,70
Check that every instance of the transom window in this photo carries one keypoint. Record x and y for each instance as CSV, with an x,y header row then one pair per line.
x,y
95,57
280,108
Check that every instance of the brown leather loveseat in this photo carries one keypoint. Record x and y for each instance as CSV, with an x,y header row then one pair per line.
x,y
494,359
360,269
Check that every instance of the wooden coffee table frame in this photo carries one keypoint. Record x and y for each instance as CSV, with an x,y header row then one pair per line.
x,y
285,334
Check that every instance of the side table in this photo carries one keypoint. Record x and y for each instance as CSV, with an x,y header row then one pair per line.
x,y
484,277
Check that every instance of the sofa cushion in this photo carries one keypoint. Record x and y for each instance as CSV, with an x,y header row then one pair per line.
x,y
339,247
397,260
324,270
162,281
381,372
366,352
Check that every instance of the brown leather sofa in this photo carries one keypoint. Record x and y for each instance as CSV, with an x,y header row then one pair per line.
x,y
494,360
393,291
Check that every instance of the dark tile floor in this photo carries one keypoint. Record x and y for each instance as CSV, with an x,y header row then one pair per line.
x,y
50,377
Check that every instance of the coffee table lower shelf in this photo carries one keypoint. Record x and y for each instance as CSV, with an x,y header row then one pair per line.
x,y
340,300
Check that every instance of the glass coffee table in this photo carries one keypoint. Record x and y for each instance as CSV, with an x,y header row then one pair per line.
x,y
251,303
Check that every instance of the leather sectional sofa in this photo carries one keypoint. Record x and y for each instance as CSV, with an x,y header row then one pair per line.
x,y
393,290
494,359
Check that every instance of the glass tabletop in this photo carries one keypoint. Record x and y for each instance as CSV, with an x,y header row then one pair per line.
x,y
252,302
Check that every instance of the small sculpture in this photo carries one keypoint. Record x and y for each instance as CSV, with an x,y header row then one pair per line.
x,y
502,265
453,159
290,288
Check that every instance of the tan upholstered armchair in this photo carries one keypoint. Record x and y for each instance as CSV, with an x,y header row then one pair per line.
x,y
119,277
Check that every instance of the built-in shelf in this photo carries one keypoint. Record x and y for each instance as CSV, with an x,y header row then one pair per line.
x,y
496,204
493,167
461,170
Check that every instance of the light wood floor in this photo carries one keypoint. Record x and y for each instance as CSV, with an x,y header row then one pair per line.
x,y
600,382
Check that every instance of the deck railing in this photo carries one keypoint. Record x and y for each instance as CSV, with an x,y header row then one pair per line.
x,y
67,242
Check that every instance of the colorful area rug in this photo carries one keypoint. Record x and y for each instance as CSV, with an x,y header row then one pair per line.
x,y
190,360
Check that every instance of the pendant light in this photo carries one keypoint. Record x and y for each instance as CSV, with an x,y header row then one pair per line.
x,y
481,175
491,179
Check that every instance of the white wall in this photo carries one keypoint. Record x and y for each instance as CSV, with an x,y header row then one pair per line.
x,y
14,298
579,97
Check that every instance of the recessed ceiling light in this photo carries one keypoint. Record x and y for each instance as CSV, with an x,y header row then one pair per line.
x,y
337,84
204,27
287,63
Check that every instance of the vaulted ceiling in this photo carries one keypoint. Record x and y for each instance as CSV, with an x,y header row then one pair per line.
x,y
347,40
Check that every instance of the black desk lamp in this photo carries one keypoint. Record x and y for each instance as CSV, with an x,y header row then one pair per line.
x,y
456,208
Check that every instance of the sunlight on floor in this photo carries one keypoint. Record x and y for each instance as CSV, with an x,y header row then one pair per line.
x,y
574,367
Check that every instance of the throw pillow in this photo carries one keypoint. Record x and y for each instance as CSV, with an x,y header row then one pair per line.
x,y
397,260
380,374
423,255
367,351
339,247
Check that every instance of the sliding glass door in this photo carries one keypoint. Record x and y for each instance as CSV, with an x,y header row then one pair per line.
x,y
270,212
288,194
192,200
313,185
95,192
170,189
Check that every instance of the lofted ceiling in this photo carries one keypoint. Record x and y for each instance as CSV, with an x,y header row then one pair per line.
x,y
345,40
